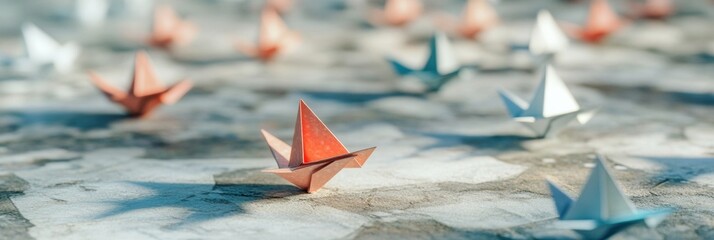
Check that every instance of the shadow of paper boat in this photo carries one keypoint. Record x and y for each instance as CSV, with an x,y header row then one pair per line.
x,y
201,202
680,170
80,120
483,142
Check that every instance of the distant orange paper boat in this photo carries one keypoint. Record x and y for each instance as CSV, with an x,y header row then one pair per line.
x,y
315,156
397,12
145,93
602,21
478,16
274,37
169,29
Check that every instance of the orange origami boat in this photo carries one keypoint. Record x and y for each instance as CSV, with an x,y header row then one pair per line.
x,y
602,21
397,12
478,16
145,93
315,156
274,37
169,29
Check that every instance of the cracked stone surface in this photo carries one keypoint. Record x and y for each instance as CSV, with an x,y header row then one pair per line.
x,y
448,165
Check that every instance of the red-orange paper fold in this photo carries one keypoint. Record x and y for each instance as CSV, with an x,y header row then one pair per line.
x,y
146,92
478,16
274,37
169,30
315,156
602,21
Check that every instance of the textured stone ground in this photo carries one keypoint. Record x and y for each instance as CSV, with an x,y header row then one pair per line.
x,y
449,164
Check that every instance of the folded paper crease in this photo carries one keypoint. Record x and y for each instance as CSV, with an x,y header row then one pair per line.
x,y
315,156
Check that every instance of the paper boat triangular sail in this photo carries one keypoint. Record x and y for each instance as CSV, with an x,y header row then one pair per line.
x,y
551,98
602,21
602,17
477,16
441,56
272,27
315,156
312,140
39,46
146,92
168,29
273,37
41,49
602,209
600,197
440,67
547,39
551,108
